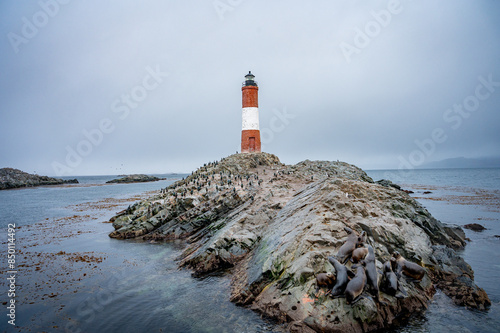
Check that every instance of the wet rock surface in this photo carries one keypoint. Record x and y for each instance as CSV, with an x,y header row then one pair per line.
x,y
275,226
14,178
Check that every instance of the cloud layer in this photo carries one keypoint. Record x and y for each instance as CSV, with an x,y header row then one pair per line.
x,y
365,83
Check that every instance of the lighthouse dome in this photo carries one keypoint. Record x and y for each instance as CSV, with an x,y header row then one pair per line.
x,y
249,79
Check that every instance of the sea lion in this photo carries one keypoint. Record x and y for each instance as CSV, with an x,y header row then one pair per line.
x,y
325,280
342,277
390,282
359,254
408,268
371,272
355,287
350,244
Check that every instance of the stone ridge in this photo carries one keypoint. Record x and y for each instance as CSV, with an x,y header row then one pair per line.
x,y
326,169
275,225
15,178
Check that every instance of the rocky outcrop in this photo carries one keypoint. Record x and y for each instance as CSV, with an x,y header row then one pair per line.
x,y
135,179
276,225
474,227
14,178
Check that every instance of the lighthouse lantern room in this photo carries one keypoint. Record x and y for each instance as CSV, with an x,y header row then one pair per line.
x,y
250,133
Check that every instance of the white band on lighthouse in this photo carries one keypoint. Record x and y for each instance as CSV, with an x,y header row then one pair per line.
x,y
250,118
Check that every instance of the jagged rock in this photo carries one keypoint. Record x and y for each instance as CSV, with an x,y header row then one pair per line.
x,y
276,225
387,183
135,179
14,178
456,278
457,236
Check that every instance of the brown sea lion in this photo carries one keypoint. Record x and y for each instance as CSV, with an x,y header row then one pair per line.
x,y
325,280
359,254
355,287
371,272
408,268
350,244
342,275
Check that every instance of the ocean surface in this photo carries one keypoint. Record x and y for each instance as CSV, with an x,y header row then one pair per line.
x,y
71,277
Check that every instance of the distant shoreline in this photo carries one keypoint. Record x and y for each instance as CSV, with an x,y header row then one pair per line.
x,y
79,185
14,178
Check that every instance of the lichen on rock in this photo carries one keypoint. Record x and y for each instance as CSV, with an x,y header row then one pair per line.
x,y
275,225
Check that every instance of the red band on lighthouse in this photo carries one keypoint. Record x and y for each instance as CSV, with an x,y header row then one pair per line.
x,y
250,133
250,96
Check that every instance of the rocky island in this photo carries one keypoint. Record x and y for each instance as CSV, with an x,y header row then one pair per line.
x,y
14,178
276,228
135,179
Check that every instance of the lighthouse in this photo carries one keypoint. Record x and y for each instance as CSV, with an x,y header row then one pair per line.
x,y
250,133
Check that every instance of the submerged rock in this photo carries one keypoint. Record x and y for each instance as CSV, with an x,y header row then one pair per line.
x,y
276,225
14,178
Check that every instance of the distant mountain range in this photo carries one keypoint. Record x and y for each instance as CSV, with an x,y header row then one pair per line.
x,y
463,162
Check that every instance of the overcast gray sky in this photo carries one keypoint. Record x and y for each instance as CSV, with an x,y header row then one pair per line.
x,y
107,87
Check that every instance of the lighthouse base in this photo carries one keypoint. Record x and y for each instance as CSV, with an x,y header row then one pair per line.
x,y
250,141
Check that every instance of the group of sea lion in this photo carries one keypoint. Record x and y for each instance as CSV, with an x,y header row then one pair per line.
x,y
351,285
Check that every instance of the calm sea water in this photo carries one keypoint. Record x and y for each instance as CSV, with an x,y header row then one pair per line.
x,y
31,205
139,287
488,179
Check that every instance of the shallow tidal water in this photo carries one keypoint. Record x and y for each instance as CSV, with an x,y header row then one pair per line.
x,y
73,278
143,291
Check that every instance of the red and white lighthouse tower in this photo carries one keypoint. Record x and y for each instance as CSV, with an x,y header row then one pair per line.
x,y
250,133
